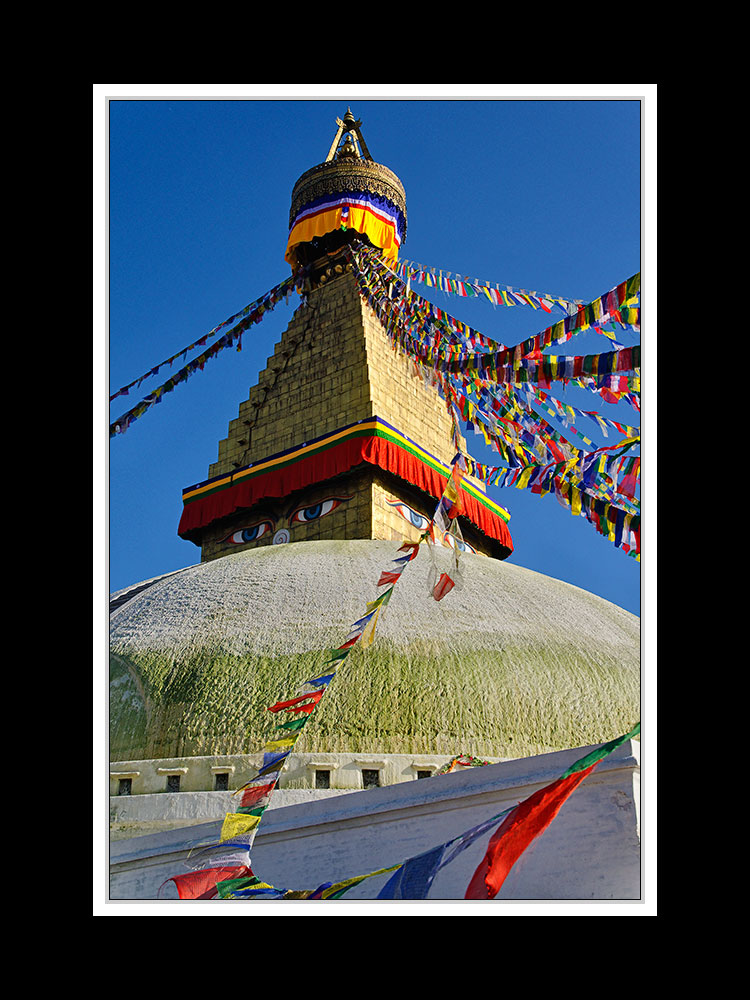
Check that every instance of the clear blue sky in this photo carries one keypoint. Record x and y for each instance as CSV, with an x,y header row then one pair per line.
x,y
536,194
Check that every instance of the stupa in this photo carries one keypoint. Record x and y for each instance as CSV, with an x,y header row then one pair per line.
x,y
339,454
340,438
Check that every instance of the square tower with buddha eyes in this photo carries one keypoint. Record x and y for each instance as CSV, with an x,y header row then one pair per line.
x,y
340,438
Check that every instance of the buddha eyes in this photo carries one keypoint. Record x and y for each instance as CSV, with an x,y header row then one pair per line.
x,y
418,520
317,510
249,534
459,543
303,515
423,523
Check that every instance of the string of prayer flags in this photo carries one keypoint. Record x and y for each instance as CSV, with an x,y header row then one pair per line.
x,y
615,306
458,284
232,854
529,820
497,392
412,878
253,313
445,520
461,363
249,887
463,760
256,307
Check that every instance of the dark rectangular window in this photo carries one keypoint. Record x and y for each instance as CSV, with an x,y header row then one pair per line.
x,y
322,779
173,782
370,779
221,782
424,774
125,787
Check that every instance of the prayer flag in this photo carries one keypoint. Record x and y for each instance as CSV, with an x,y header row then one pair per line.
x,y
412,879
286,741
380,601
252,796
313,697
529,820
202,884
368,632
273,762
322,680
237,823
293,724
444,586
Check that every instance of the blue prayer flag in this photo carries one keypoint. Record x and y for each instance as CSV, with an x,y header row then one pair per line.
x,y
414,878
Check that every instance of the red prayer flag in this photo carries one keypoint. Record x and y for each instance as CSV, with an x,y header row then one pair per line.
x,y
607,396
444,586
202,884
349,643
629,483
312,698
388,577
410,545
252,795
527,821
304,709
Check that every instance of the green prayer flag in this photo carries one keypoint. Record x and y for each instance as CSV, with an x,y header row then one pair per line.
x,y
601,752
227,887
294,724
338,654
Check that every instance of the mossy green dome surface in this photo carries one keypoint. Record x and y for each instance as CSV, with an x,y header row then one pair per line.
x,y
513,664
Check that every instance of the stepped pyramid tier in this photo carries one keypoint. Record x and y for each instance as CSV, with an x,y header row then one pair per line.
x,y
341,438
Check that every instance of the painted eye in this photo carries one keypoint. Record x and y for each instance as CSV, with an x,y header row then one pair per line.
x,y
316,510
459,543
249,534
418,520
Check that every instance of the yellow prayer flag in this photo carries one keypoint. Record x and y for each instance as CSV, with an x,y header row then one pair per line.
x,y
287,741
523,479
575,501
237,823
369,631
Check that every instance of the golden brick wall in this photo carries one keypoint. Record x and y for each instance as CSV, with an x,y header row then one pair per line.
x,y
333,367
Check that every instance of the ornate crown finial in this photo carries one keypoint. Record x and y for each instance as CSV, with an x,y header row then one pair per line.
x,y
353,144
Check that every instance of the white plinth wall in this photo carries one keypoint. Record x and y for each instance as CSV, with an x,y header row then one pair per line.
x,y
591,851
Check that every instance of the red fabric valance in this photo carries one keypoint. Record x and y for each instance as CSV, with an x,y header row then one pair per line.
x,y
317,463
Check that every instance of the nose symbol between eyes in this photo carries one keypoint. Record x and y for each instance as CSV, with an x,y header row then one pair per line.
x,y
281,536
